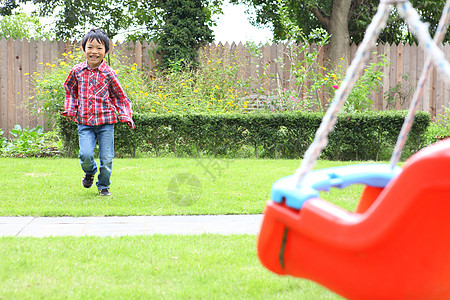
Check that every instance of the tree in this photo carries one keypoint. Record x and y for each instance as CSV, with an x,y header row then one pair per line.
x,y
22,26
178,26
184,31
345,20
7,6
73,18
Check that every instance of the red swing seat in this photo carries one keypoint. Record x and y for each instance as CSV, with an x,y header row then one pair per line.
x,y
396,245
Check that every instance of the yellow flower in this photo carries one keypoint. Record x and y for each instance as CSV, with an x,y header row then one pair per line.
x,y
153,110
64,54
324,68
26,74
133,69
216,86
378,78
341,58
146,94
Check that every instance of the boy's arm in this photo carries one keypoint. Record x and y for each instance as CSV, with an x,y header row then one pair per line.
x,y
121,102
71,93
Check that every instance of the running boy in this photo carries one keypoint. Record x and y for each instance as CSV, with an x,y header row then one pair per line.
x,y
95,101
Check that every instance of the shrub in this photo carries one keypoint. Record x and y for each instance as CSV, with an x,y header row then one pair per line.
x,y
363,136
216,86
29,142
440,128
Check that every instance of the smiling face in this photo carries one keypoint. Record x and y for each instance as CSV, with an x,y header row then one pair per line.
x,y
95,53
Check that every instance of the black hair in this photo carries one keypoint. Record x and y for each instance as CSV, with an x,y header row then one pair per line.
x,y
98,35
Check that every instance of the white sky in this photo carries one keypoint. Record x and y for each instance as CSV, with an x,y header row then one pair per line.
x,y
232,26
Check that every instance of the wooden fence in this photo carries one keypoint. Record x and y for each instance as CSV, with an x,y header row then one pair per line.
x,y
20,59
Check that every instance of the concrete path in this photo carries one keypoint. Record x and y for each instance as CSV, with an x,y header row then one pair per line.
x,y
133,225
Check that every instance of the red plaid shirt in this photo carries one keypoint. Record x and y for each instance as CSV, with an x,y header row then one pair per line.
x,y
95,97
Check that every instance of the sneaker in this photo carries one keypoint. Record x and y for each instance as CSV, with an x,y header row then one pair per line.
x,y
87,180
104,192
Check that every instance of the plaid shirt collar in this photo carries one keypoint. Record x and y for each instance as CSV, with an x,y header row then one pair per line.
x,y
101,67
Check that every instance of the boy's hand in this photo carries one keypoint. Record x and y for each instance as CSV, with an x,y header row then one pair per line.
x,y
130,125
68,118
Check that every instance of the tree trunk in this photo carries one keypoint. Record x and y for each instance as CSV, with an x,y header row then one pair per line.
x,y
338,28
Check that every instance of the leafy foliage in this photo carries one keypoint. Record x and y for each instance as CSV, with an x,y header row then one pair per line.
x,y
440,128
215,86
74,18
28,142
179,27
309,78
21,26
185,30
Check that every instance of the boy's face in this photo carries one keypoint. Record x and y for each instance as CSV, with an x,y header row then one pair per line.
x,y
95,53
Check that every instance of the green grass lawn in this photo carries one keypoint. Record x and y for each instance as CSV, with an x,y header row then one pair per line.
x,y
147,267
149,186
143,267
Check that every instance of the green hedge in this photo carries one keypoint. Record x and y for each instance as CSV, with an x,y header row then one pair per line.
x,y
358,136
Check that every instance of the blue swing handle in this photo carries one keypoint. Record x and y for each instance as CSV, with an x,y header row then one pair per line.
x,y
376,175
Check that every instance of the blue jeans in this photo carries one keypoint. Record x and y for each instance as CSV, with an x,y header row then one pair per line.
x,y
88,136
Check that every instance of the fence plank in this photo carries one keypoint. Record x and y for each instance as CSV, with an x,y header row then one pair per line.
x,y
18,82
446,97
138,55
393,67
11,87
4,85
412,77
25,80
386,50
